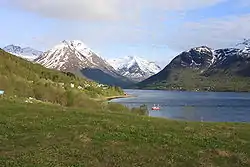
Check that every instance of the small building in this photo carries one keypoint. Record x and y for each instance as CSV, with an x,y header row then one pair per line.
x,y
1,92
72,85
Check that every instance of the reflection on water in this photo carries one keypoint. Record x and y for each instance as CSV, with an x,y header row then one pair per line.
x,y
207,106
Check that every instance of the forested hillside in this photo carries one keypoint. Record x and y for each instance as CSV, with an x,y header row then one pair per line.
x,y
20,78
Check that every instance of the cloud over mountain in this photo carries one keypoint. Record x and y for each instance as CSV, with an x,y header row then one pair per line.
x,y
103,9
158,29
216,32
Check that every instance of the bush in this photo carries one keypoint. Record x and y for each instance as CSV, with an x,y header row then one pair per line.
x,y
116,107
142,110
78,99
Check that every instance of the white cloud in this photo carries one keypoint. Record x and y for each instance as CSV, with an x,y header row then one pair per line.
x,y
184,5
104,9
218,32
215,33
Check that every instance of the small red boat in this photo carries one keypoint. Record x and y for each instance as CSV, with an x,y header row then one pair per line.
x,y
156,107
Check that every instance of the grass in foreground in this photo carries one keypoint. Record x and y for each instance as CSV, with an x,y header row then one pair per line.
x,y
49,135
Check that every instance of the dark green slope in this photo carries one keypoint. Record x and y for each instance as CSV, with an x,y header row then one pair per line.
x,y
105,78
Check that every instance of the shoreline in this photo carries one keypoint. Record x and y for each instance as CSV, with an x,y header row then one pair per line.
x,y
199,91
113,97
118,97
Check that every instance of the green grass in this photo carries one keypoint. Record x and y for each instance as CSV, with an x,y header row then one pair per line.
x,y
52,135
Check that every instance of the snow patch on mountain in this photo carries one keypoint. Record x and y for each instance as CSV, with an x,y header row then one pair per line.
x,y
203,49
26,53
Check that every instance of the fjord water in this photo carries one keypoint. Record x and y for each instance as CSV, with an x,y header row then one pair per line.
x,y
192,106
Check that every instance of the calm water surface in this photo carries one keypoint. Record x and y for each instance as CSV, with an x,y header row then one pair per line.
x,y
193,106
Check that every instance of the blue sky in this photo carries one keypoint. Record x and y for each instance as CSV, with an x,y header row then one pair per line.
x,y
154,29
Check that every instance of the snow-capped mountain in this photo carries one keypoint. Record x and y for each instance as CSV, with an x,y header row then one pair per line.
x,y
205,61
26,53
69,55
74,56
135,68
206,58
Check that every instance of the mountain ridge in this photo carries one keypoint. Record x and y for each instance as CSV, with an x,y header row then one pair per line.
x,y
83,60
27,53
208,69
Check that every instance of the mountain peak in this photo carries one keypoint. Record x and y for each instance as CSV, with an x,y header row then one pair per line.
x,y
71,55
201,49
75,43
136,58
135,67
245,45
12,48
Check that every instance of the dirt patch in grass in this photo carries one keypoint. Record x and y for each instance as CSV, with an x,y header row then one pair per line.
x,y
223,153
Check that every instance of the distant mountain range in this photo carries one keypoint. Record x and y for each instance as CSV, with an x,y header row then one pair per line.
x,y
203,68
76,57
135,68
26,53
200,68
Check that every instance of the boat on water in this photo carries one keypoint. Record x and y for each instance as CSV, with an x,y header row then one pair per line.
x,y
156,107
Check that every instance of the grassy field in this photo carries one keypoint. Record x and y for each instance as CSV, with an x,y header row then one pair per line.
x,y
52,135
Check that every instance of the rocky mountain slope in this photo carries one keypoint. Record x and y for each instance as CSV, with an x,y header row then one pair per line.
x,y
204,68
26,53
74,56
135,68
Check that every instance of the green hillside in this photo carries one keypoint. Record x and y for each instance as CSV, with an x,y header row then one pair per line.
x,y
23,79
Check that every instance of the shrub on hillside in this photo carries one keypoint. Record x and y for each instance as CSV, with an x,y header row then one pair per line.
x,y
142,110
116,107
75,98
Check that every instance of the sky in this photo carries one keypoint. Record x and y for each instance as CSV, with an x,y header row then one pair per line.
x,y
157,30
